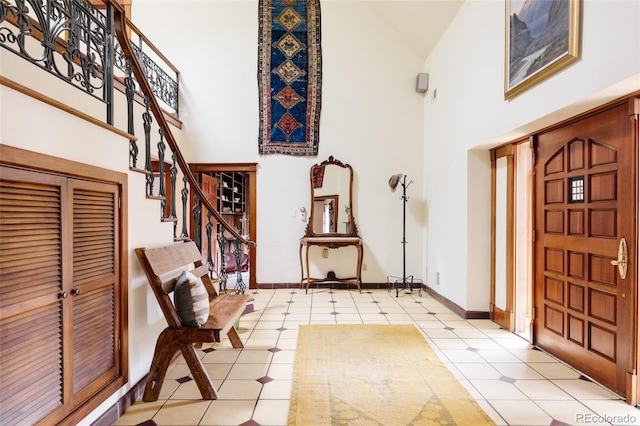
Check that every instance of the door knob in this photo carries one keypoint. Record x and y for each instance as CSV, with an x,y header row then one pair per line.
x,y
621,261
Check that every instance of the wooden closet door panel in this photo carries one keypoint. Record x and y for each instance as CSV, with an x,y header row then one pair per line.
x,y
31,309
95,286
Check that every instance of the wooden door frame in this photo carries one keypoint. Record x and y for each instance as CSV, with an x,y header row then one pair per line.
x,y
250,169
503,317
633,378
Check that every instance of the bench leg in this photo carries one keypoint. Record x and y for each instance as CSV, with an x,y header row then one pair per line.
x,y
200,375
236,343
166,348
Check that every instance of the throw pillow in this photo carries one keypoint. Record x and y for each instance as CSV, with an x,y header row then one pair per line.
x,y
191,300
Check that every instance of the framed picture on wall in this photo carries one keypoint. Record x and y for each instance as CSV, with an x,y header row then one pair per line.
x,y
541,38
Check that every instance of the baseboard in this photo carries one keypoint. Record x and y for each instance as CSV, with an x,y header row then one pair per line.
x,y
113,413
327,285
377,286
454,307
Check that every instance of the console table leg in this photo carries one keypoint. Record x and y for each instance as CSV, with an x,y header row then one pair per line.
x,y
301,267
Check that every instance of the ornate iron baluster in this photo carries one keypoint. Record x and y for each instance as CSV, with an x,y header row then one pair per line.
x,y
172,209
130,91
197,213
223,275
108,65
240,286
146,117
161,187
185,195
209,231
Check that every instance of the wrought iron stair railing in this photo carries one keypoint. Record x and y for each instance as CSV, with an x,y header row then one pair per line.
x,y
189,182
77,45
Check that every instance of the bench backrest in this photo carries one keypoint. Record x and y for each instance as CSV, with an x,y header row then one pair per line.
x,y
163,266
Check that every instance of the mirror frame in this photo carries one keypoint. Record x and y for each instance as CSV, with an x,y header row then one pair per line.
x,y
353,229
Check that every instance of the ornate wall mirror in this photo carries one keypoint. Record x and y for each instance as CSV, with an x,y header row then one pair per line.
x,y
331,200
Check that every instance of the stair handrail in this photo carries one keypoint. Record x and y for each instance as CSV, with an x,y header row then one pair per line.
x,y
120,24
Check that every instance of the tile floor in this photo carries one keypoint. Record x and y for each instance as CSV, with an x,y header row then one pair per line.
x,y
514,384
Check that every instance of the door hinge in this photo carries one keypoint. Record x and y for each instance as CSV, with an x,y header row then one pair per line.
x,y
533,156
534,146
533,235
119,344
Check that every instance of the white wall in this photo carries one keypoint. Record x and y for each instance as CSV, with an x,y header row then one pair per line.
x,y
470,114
371,118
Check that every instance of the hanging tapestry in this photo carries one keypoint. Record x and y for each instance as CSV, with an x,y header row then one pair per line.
x,y
289,76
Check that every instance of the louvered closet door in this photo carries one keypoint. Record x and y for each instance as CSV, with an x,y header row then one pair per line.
x,y
58,287
94,288
31,307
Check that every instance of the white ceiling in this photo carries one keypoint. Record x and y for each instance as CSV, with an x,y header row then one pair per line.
x,y
420,22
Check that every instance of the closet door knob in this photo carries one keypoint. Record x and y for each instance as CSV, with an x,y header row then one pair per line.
x,y
63,295
75,291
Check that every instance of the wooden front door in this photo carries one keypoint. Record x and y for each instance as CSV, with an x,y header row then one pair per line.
x,y
585,205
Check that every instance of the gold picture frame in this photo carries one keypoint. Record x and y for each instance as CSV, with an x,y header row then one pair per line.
x,y
536,48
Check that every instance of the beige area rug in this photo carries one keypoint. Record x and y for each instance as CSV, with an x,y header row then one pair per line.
x,y
375,375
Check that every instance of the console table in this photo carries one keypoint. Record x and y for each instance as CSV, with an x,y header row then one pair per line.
x,y
329,242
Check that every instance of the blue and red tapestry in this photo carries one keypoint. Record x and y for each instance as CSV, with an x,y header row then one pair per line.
x,y
289,76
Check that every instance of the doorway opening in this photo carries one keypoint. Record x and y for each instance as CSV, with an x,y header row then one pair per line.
x,y
512,238
523,240
233,187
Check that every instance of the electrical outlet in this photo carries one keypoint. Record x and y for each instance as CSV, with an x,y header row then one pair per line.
x,y
364,266
438,278
293,213
325,252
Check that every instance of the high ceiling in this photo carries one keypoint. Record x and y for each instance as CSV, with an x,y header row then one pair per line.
x,y
420,22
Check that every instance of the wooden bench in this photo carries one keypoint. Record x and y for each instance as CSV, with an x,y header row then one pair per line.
x,y
225,309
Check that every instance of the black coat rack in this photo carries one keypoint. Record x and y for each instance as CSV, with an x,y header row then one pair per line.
x,y
407,281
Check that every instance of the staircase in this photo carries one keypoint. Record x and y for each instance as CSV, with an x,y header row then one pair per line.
x,y
76,92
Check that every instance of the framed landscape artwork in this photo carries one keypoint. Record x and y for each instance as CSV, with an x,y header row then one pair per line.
x,y
541,38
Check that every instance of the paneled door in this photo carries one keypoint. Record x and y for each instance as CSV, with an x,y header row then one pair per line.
x,y
585,301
